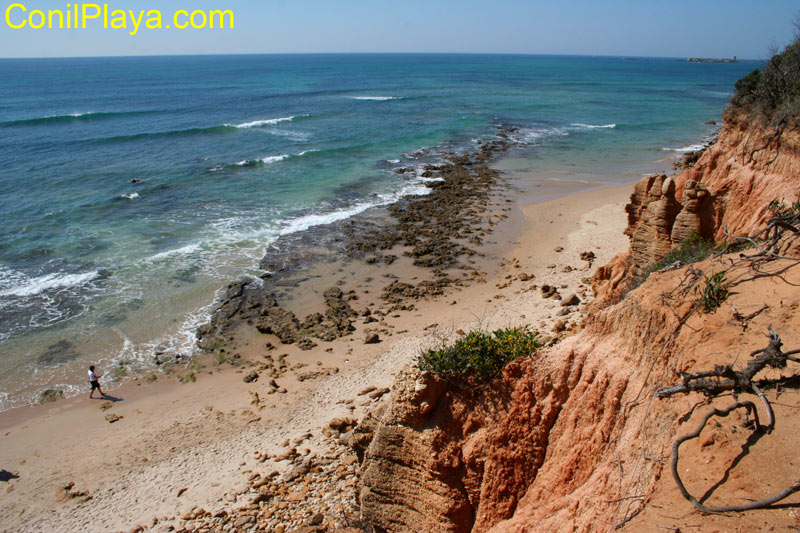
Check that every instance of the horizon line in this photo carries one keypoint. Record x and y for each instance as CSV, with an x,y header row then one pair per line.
x,y
622,56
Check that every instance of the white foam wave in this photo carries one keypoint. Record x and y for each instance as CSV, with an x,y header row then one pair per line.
x,y
32,286
264,122
309,221
304,152
532,135
594,126
377,98
393,161
305,222
130,196
183,250
261,161
686,149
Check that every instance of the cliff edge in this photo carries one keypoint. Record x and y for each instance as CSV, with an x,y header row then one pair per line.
x,y
572,438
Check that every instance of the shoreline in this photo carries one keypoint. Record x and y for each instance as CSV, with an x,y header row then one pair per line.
x,y
197,435
319,240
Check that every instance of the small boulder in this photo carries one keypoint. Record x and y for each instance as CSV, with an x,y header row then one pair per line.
x,y
548,291
570,300
306,344
343,424
372,338
251,377
111,418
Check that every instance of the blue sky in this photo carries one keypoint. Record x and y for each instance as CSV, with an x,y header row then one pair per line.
x,y
679,28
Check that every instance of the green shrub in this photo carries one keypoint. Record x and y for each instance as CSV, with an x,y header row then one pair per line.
x,y
780,209
692,249
479,356
713,293
772,95
745,89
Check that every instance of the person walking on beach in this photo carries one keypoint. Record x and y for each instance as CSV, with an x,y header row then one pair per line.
x,y
94,383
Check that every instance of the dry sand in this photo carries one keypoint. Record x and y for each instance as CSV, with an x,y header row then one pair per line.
x,y
183,445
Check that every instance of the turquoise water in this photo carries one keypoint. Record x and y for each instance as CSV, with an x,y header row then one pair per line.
x,y
231,152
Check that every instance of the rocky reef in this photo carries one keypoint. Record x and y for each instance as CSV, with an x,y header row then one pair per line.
x,y
436,230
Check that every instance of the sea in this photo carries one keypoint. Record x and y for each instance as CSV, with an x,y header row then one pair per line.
x,y
133,189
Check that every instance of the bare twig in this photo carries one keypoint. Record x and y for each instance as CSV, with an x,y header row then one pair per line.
x,y
724,378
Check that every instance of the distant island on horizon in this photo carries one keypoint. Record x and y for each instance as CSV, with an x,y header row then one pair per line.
x,y
710,60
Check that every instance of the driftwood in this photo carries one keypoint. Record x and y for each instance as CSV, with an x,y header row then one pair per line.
x,y
722,379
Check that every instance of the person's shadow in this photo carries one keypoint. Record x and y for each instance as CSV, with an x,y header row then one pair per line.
x,y
109,398
6,476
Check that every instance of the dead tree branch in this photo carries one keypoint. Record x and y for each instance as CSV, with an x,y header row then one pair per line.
x,y
724,378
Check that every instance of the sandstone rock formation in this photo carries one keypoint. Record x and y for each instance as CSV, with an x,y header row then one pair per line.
x,y
730,186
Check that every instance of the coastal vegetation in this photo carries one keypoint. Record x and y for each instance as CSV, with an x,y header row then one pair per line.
x,y
772,95
713,292
480,356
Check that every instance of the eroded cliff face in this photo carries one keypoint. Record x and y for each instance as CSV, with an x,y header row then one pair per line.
x,y
728,189
536,448
571,439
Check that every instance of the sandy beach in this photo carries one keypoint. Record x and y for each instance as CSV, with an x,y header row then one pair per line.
x,y
180,447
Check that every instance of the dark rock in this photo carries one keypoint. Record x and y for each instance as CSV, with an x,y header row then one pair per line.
x,y
372,338
306,344
251,377
50,395
548,291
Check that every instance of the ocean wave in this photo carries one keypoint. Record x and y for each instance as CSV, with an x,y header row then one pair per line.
x,y
224,128
305,222
376,98
25,286
686,149
72,117
183,250
534,135
264,122
261,161
593,126
130,195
